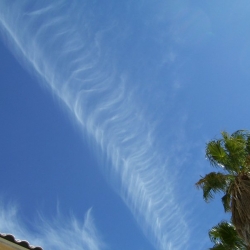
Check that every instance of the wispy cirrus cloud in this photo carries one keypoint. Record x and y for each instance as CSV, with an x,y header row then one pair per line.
x,y
60,233
67,50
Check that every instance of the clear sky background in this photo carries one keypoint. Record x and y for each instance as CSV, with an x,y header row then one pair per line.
x,y
106,108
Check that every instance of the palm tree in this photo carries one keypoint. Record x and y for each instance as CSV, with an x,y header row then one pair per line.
x,y
231,155
225,237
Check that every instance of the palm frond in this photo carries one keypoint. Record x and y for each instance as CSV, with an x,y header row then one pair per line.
x,y
243,132
216,154
224,236
232,151
248,144
213,183
235,146
219,247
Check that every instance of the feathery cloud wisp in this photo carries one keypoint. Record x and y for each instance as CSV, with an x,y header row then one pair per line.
x,y
67,51
60,233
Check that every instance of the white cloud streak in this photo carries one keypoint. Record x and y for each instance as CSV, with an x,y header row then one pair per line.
x,y
65,48
60,233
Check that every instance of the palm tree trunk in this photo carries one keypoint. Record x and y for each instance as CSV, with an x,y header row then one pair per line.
x,y
241,207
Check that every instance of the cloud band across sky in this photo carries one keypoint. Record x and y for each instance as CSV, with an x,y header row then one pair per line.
x,y
65,48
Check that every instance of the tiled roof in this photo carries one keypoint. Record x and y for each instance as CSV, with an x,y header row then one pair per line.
x,y
22,243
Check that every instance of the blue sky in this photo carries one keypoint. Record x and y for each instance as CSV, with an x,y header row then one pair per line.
x,y
105,112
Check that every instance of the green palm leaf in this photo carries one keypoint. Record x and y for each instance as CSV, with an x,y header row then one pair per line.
x,y
212,183
216,154
231,152
225,237
235,146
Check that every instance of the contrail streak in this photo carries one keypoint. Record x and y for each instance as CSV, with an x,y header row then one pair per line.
x,y
68,49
